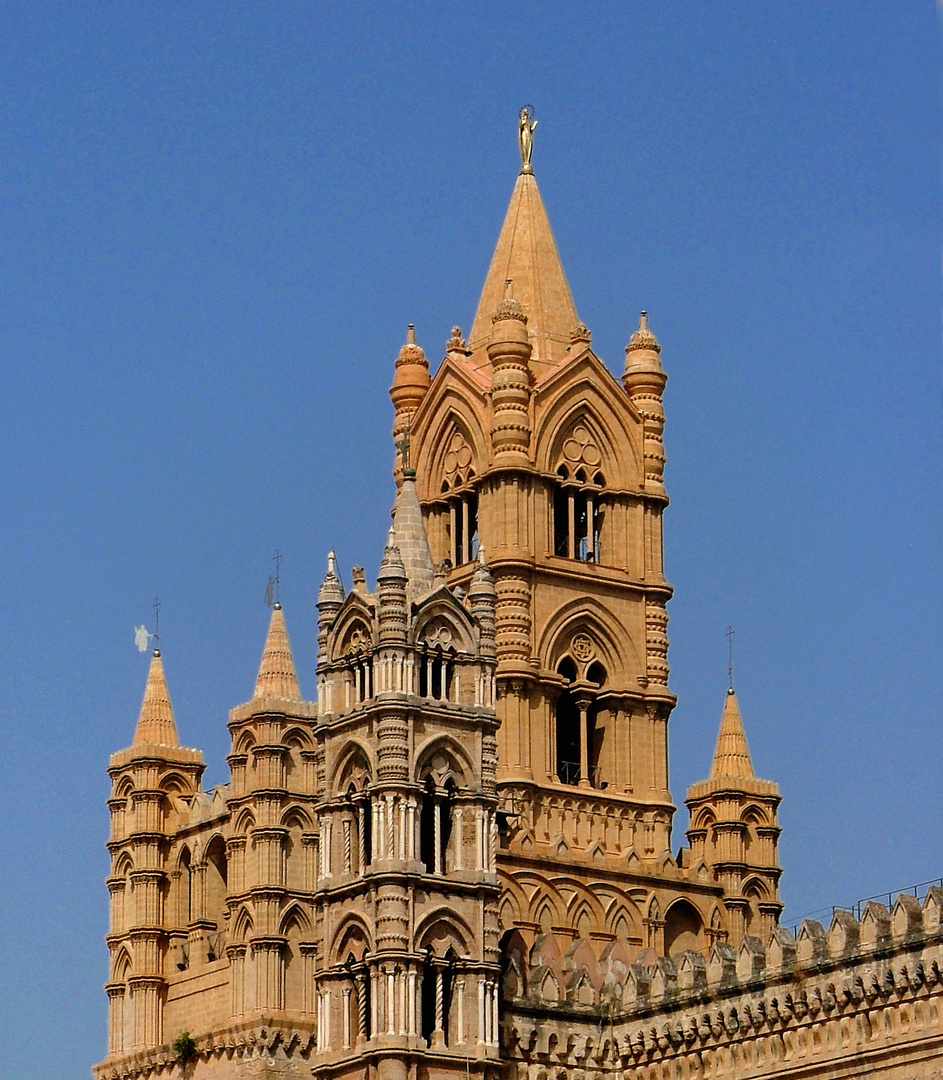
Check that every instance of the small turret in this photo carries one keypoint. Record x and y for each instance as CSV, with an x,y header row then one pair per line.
x,y
509,351
330,600
481,601
644,380
277,677
410,385
392,606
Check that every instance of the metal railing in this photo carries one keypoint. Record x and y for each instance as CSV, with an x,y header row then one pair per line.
x,y
569,773
857,908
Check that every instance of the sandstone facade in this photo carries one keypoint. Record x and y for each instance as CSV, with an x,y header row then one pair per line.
x,y
458,858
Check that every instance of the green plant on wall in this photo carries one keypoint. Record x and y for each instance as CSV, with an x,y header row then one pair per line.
x,y
184,1046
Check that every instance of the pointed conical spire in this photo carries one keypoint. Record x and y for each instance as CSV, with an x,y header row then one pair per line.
x,y
409,536
156,721
277,678
732,755
526,253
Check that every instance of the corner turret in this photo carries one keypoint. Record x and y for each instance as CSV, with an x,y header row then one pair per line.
x,y
330,599
644,380
410,385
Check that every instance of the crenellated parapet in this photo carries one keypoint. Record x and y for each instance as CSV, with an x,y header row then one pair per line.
x,y
823,999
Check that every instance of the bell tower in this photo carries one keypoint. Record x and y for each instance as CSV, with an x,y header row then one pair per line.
x,y
526,445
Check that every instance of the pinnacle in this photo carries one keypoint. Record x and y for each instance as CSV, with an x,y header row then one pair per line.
x,y
277,677
526,254
732,755
156,720
409,536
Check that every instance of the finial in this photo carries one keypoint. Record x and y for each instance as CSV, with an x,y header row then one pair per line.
x,y
157,653
525,137
411,334
581,333
509,308
456,342
482,561
730,636
643,338
142,635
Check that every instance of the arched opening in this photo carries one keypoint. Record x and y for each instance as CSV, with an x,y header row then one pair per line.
x,y
185,893
513,952
462,527
596,731
436,672
568,727
216,890
683,927
438,1025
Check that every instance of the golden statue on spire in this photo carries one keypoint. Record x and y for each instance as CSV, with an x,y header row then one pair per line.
x,y
525,135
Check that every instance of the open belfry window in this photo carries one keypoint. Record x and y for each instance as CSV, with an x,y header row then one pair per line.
x,y
579,737
577,514
458,486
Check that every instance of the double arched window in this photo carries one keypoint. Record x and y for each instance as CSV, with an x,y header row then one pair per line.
x,y
435,823
579,738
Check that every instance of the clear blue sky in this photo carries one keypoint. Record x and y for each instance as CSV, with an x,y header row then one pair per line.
x,y
216,221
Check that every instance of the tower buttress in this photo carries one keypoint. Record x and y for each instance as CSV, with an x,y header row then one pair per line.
x,y
270,843
149,783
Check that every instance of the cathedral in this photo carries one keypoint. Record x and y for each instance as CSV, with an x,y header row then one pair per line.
x,y
456,862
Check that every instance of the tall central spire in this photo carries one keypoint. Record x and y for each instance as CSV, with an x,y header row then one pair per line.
x,y
526,254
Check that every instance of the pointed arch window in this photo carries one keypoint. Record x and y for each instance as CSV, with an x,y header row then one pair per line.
x,y
579,737
437,664
462,524
458,487
577,497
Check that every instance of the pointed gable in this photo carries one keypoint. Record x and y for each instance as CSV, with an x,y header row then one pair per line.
x,y
156,720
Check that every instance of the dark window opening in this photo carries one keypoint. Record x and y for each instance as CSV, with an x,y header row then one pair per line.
x,y
568,728
561,522
427,829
